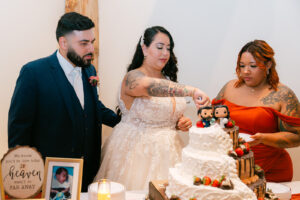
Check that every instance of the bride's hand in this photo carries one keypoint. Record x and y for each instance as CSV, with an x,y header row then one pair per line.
x,y
184,123
200,98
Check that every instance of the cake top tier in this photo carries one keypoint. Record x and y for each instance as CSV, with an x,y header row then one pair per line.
x,y
212,139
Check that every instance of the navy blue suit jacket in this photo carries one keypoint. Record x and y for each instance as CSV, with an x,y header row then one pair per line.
x,y
45,113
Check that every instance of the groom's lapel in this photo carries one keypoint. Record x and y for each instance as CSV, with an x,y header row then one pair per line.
x,y
88,73
63,86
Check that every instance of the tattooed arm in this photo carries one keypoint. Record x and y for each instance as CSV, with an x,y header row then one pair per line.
x,y
138,84
289,136
221,93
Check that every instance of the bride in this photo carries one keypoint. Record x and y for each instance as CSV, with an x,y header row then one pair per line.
x,y
145,144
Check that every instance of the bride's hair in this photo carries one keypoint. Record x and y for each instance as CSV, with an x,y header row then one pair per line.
x,y
170,69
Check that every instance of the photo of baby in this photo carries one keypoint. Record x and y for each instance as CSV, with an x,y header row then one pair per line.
x,y
61,184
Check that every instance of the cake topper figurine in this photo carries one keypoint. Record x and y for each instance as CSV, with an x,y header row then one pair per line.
x,y
205,115
221,115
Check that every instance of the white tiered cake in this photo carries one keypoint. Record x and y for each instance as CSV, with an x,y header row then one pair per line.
x,y
206,155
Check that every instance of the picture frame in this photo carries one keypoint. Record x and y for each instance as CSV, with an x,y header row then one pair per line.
x,y
2,194
63,178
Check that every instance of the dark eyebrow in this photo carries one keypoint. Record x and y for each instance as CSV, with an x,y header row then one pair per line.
x,y
250,62
162,43
87,40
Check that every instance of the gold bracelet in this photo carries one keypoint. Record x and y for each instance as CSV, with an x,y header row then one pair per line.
x,y
193,92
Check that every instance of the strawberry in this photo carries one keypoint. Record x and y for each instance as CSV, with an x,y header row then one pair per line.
x,y
239,151
241,140
215,183
197,180
230,124
260,198
222,179
193,198
247,146
199,124
206,180
243,147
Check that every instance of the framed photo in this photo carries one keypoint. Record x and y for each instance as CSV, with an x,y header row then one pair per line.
x,y
63,178
2,197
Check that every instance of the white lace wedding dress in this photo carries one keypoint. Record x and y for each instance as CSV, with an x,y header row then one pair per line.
x,y
145,144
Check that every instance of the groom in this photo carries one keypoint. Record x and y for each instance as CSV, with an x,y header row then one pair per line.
x,y
55,106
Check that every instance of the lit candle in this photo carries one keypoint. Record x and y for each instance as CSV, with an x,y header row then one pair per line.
x,y
104,189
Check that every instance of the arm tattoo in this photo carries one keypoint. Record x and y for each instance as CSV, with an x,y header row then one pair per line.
x,y
282,143
165,88
284,95
132,79
288,141
221,93
288,128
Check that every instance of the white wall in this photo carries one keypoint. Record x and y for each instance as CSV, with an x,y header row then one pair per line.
x,y
208,35
27,32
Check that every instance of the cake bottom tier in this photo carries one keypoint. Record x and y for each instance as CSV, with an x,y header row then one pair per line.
x,y
184,189
157,189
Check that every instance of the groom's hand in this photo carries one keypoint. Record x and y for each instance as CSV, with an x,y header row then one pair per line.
x,y
184,123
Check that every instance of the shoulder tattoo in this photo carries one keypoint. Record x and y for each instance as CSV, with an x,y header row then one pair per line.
x,y
132,79
286,96
221,92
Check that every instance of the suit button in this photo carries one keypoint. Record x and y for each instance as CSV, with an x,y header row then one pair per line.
x,y
85,115
72,150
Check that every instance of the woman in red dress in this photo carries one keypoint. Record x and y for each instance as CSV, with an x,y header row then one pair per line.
x,y
264,108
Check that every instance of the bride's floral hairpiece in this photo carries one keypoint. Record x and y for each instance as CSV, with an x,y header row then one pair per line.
x,y
94,80
142,40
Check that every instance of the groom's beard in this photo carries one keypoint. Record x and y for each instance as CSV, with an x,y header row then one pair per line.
x,y
79,61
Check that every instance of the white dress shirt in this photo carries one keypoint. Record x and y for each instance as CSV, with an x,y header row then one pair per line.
x,y
74,75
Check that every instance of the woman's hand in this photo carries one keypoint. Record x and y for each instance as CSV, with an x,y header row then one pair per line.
x,y
184,123
200,98
258,138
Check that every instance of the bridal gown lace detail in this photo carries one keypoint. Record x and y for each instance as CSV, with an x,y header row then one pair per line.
x,y
145,144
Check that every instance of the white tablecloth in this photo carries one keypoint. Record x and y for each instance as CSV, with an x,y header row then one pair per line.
x,y
294,185
140,195
130,195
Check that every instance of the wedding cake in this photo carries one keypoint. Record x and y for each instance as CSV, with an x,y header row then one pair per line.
x,y
207,172
216,164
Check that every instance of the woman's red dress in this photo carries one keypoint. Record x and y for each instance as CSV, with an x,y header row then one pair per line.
x,y
276,162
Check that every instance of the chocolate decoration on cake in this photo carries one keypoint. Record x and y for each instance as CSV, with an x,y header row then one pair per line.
x,y
174,197
226,184
234,133
259,172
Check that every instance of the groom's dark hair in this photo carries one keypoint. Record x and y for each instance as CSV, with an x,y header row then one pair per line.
x,y
72,21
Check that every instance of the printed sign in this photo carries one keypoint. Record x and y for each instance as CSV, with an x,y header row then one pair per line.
x,y
22,172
